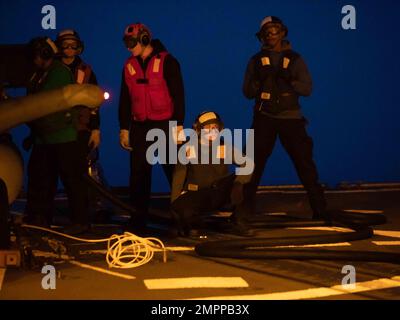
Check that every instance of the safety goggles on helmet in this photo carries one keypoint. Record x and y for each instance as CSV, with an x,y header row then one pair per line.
x,y
271,26
130,42
136,33
271,30
70,46
75,41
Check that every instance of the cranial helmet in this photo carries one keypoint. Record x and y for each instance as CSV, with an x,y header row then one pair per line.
x,y
207,117
136,33
267,22
70,34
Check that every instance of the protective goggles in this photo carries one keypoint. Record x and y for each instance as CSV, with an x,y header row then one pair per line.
x,y
130,42
70,46
271,30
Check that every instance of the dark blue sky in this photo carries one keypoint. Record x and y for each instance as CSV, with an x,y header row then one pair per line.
x,y
353,112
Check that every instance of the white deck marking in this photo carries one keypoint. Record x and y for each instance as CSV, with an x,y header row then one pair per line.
x,y
338,229
111,273
339,244
275,214
387,233
386,243
196,282
363,211
315,293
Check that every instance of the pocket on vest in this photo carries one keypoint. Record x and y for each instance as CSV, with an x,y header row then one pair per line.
x,y
159,100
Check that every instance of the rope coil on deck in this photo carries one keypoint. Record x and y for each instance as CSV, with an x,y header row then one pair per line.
x,y
123,251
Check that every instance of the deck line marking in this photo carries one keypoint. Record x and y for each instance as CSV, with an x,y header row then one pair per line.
x,y
275,214
387,233
196,282
38,253
116,274
338,229
339,244
313,293
2,273
363,211
386,243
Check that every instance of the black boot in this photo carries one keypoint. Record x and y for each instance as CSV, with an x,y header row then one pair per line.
x,y
323,215
241,229
318,204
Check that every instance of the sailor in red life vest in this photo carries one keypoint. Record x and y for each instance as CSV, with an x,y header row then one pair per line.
x,y
152,94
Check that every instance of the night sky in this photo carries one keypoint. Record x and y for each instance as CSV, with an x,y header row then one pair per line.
x,y
353,112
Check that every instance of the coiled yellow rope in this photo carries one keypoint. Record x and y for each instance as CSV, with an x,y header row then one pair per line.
x,y
123,251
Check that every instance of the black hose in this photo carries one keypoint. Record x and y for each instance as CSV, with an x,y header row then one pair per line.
x,y
351,220
262,248
241,244
297,254
109,195
358,220
287,224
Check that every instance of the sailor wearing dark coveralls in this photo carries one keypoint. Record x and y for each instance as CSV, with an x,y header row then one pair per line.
x,y
275,78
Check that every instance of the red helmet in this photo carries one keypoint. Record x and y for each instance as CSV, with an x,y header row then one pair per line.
x,y
136,32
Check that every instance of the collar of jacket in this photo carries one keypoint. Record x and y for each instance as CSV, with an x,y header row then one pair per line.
x,y
285,46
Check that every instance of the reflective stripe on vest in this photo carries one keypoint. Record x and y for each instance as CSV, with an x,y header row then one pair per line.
x,y
150,98
83,73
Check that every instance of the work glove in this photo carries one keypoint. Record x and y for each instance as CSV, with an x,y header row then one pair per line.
x,y
124,139
237,193
94,140
178,135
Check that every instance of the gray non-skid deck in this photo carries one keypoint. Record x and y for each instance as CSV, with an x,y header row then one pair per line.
x,y
263,279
